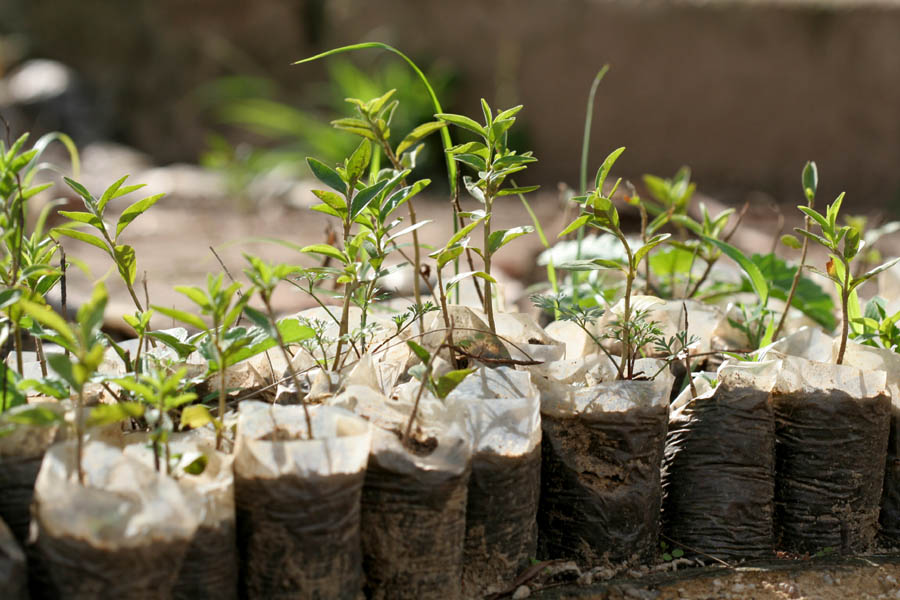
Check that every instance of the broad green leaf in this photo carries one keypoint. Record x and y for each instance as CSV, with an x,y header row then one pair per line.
x,y
196,416
670,261
325,250
335,201
833,210
126,261
606,167
196,466
326,175
360,201
181,348
325,209
423,354
449,381
107,414
196,295
418,134
63,366
261,320
446,255
180,315
134,211
293,331
473,160
464,122
501,237
401,196
359,160
9,297
757,281
81,236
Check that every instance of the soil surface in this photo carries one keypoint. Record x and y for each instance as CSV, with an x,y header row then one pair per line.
x,y
828,578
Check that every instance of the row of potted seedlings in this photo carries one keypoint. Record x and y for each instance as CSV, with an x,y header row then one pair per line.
x,y
435,452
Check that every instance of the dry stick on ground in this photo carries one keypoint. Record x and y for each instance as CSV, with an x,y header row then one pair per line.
x,y
695,551
709,265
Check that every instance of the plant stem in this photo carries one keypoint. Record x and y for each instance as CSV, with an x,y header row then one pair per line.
x,y
426,376
79,434
447,323
287,359
488,301
221,356
42,359
797,275
845,321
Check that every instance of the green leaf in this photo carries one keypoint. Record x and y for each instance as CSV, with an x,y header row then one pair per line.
x,y
39,416
791,241
606,167
418,134
196,416
196,466
459,277
107,414
9,296
650,245
81,236
446,255
82,217
509,113
814,237
464,122
361,200
464,231
335,201
517,190
815,216
473,160
670,261
871,273
180,315
677,553
449,381
401,196
126,261
183,349
423,354
81,191
810,180
134,211
501,237
63,366
47,317
591,264
326,250
326,175
757,281
359,160
576,224
686,222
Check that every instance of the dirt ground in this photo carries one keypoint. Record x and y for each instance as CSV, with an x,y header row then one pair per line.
x,y
861,578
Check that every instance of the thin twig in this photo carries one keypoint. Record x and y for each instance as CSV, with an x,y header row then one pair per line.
x,y
695,551
228,273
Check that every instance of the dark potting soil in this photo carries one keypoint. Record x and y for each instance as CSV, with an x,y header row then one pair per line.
x,y
210,566
719,475
17,477
70,568
413,529
830,453
889,520
299,536
600,485
501,518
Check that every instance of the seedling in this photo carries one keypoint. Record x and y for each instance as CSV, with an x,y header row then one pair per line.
x,y
599,212
440,387
843,244
265,278
493,162
84,345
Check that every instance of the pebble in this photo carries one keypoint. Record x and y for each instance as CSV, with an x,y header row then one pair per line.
x,y
738,588
827,579
717,583
523,591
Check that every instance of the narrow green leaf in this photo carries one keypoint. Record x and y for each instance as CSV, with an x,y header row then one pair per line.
x,y
134,211
650,245
757,281
82,217
423,354
871,273
449,381
326,250
81,191
81,236
576,224
464,122
39,416
606,167
361,200
791,241
180,315
518,190
47,317
814,237
810,180
107,414
501,237
418,134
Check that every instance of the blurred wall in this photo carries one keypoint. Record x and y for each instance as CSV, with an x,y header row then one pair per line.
x,y
744,92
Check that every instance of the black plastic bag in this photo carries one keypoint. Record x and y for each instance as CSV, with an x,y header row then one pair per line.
x,y
830,453
13,574
600,479
298,501
719,469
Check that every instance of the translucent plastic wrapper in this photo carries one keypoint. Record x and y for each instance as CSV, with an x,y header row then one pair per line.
x,y
831,427
13,574
719,469
123,533
504,422
298,501
880,359
21,453
601,453
210,565
524,338
414,499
